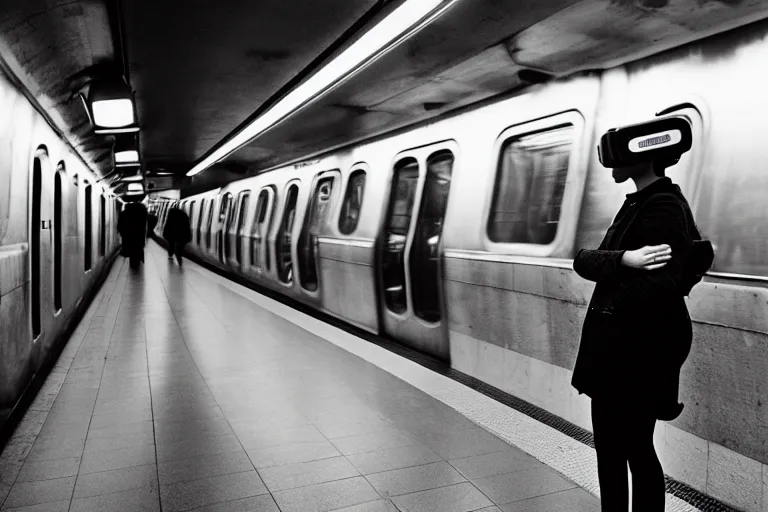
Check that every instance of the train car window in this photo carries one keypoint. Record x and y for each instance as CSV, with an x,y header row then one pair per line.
x,y
398,220
57,236
35,236
530,182
317,214
245,198
285,236
353,203
88,227
260,230
424,256
103,227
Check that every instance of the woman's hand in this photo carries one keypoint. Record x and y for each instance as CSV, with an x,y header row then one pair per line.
x,y
648,257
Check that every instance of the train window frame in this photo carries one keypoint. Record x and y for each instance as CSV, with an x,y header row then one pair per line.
x,y
356,169
561,245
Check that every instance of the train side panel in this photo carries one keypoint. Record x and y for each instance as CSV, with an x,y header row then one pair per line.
x,y
31,158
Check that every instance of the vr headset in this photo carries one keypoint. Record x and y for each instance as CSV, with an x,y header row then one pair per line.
x,y
664,139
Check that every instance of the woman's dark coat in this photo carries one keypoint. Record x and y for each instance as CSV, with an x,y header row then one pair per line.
x,y
637,332
132,226
177,228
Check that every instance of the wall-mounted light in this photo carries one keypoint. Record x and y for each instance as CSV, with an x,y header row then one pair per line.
x,y
126,151
110,107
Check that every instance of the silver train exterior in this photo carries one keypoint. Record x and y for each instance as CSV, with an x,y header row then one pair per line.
x,y
457,237
56,238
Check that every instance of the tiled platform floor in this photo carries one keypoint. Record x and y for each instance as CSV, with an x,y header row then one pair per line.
x,y
176,393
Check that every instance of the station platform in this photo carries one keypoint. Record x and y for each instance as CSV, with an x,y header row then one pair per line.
x,y
181,390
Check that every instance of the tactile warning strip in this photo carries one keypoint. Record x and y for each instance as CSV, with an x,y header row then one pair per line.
x,y
576,462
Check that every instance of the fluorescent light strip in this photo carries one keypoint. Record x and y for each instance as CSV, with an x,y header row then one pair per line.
x,y
406,20
103,131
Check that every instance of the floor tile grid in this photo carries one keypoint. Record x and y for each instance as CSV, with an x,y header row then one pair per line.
x,y
114,303
201,295
156,259
572,459
28,430
204,296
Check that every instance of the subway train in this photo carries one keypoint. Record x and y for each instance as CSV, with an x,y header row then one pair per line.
x,y
57,238
456,236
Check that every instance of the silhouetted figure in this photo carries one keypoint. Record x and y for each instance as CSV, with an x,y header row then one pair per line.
x,y
177,232
151,223
132,226
637,332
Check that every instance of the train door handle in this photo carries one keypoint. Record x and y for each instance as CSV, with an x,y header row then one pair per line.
x,y
46,224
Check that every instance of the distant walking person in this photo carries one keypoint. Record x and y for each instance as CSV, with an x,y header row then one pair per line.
x,y
132,226
177,232
637,332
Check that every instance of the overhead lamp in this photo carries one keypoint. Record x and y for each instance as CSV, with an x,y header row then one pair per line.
x,y
135,188
403,22
126,151
110,107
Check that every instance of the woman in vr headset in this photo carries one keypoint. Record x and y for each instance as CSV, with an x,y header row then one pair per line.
x,y
637,332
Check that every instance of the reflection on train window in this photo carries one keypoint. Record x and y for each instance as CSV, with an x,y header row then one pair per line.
x,y
398,220
260,231
245,198
317,214
200,214
353,202
284,236
424,256
529,188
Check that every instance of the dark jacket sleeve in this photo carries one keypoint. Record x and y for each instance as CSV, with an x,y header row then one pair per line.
x,y
598,265
662,221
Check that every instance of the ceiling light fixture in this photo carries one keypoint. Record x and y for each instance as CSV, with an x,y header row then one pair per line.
x,y
135,188
110,107
402,23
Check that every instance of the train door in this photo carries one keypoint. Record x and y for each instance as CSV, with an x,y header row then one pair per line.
x,y
318,210
235,227
409,248
200,213
225,218
262,221
284,239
